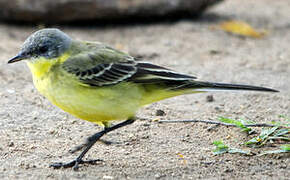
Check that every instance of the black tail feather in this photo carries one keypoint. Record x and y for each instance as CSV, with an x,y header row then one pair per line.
x,y
223,86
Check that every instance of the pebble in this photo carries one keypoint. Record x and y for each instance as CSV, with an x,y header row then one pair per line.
x,y
11,144
108,177
160,112
209,98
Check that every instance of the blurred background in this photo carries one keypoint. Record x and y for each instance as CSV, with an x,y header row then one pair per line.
x,y
63,11
233,41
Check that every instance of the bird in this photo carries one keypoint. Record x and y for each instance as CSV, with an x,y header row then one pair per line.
x,y
100,84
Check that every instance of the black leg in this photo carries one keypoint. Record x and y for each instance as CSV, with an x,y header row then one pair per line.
x,y
82,146
91,141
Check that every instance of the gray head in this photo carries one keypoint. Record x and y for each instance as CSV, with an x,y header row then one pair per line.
x,y
49,43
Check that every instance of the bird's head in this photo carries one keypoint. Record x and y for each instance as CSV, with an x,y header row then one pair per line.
x,y
47,43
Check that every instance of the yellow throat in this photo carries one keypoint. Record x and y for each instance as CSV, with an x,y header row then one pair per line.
x,y
41,66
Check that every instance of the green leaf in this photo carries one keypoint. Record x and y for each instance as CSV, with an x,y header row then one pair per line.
x,y
283,149
254,140
263,137
220,147
282,132
220,144
235,150
280,138
266,132
235,122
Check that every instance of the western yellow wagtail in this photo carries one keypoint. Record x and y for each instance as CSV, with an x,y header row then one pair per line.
x,y
100,84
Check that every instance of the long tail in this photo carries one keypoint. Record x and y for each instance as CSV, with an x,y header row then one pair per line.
x,y
148,73
210,86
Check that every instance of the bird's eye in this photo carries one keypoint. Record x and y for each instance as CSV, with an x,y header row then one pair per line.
x,y
43,49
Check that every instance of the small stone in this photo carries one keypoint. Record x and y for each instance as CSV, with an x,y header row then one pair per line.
x,y
11,144
156,120
160,112
214,52
108,177
11,91
146,124
209,98
217,108
228,170
158,176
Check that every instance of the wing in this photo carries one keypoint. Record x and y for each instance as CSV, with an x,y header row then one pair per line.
x,y
106,74
150,73
103,68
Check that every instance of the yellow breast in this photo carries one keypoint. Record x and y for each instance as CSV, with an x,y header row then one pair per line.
x,y
95,104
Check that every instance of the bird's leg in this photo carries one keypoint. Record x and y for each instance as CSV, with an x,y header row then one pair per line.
x,y
88,140
91,141
86,143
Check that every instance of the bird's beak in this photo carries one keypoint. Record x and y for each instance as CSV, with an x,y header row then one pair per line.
x,y
18,57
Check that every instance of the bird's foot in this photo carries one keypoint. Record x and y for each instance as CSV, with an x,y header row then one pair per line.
x,y
74,164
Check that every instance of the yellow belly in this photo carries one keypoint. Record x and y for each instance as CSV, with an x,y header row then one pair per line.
x,y
95,104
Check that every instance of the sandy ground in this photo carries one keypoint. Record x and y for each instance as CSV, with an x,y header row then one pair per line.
x,y
34,133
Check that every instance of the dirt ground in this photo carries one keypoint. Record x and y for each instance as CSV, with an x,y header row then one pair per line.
x,y
34,133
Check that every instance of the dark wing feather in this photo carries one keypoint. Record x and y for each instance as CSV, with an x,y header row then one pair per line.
x,y
105,74
150,73
112,73
104,69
